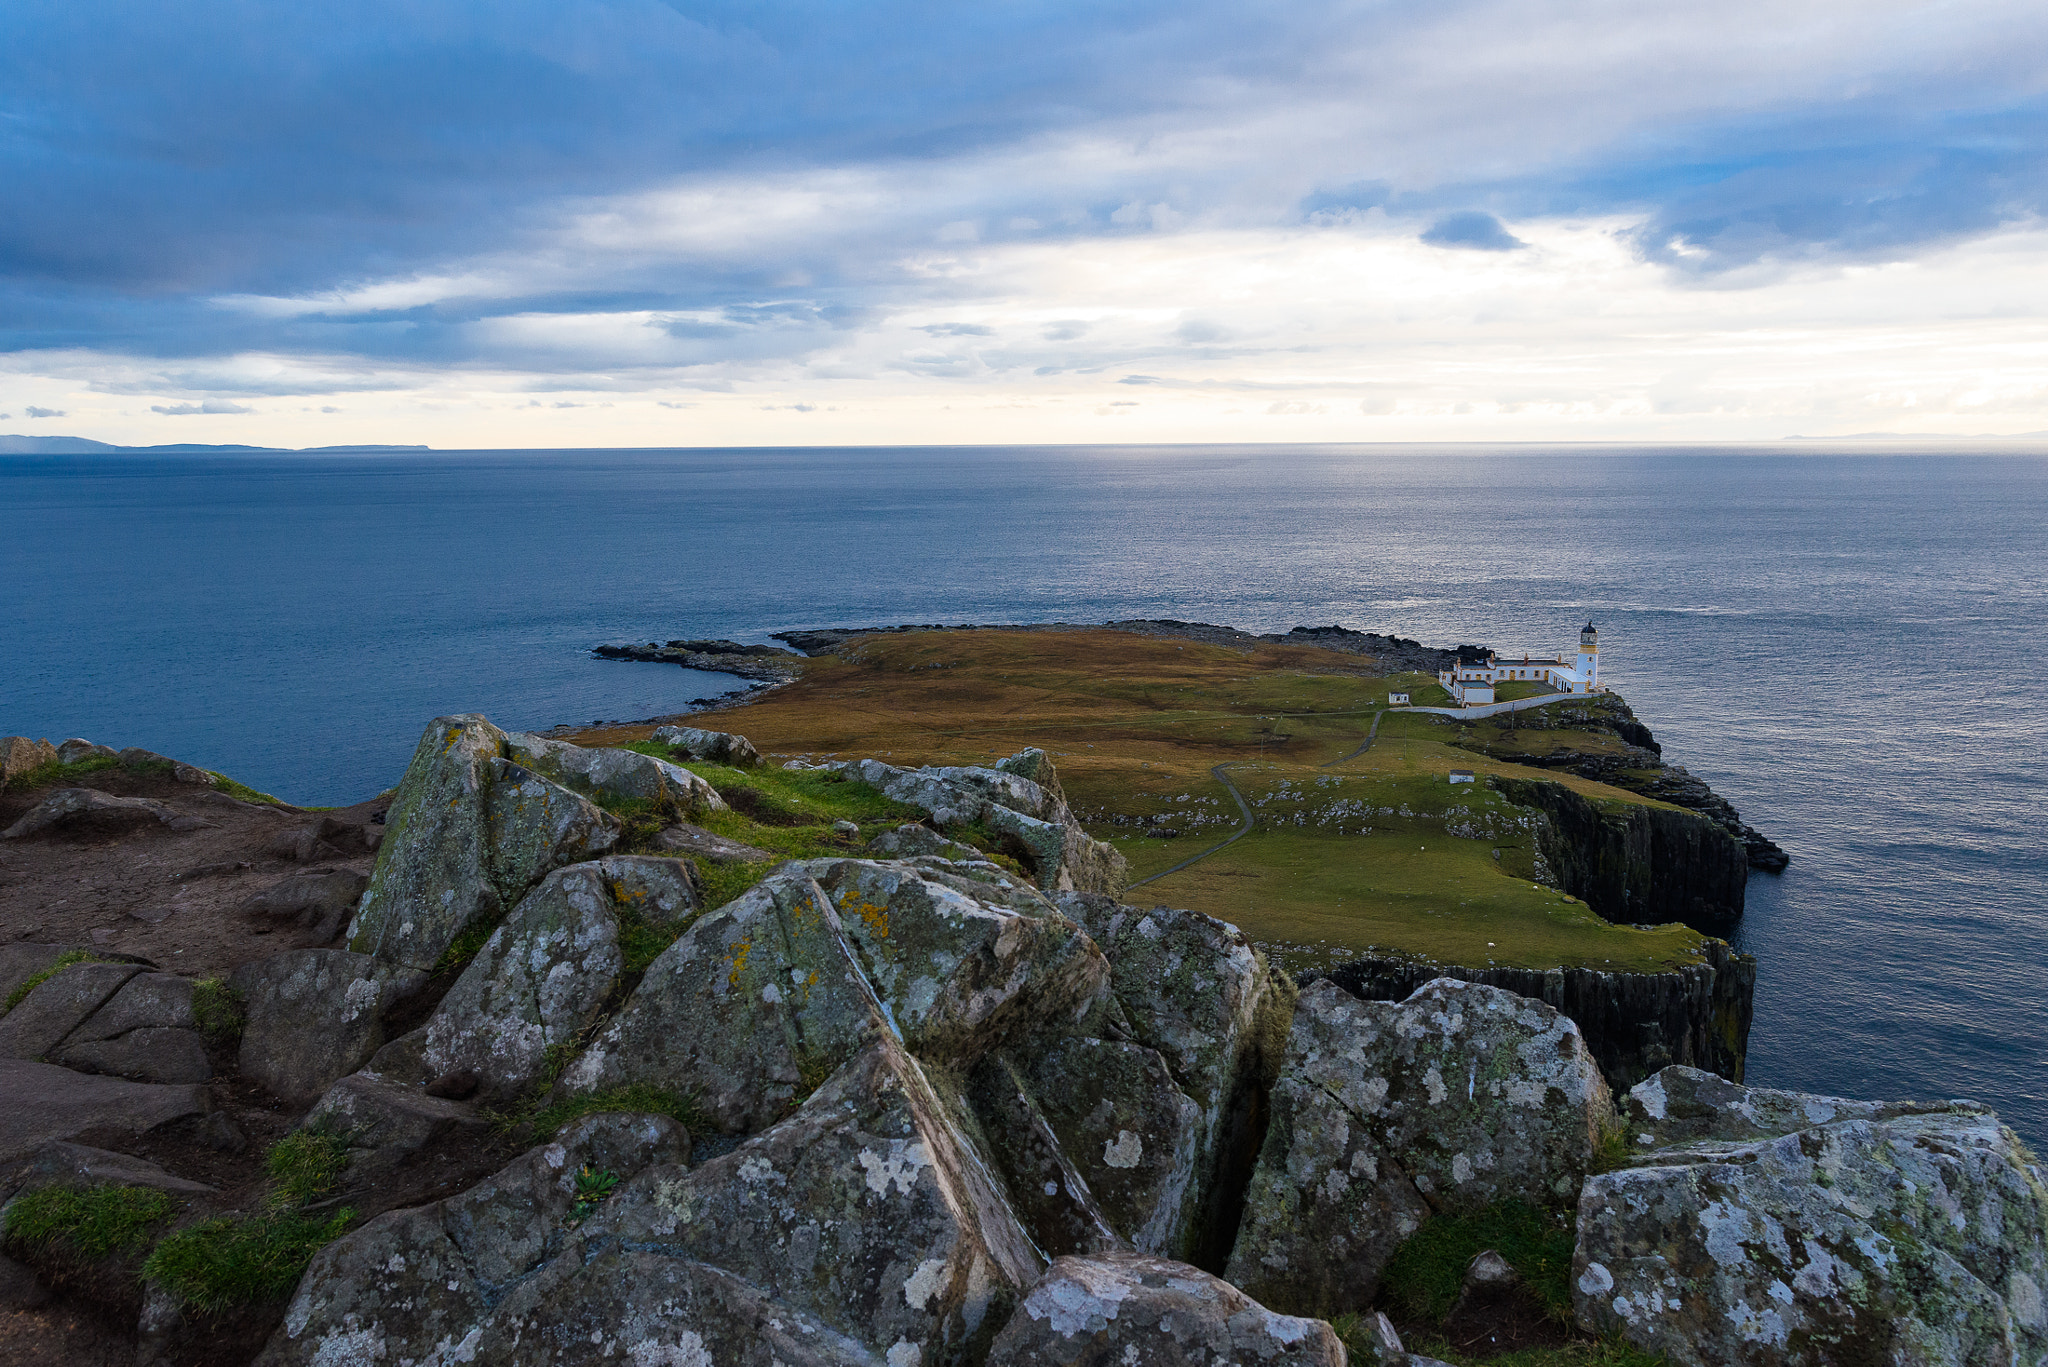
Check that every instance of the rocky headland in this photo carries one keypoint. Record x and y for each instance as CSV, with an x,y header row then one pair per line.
x,y
687,1050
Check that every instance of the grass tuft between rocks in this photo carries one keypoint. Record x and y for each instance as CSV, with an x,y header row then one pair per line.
x,y
641,1098
217,1010
304,1166
90,1222
228,1261
1423,1279
41,976
249,1259
243,792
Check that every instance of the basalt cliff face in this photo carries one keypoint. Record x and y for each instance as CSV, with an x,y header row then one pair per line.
x,y
1637,767
907,1106
1637,865
1635,1024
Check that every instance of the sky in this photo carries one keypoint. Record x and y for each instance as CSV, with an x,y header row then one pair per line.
x,y
635,223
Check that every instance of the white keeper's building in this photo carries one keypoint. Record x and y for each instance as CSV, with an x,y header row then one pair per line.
x,y
1472,685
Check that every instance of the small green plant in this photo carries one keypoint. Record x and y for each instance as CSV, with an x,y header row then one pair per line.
x,y
41,976
721,883
304,1166
1423,1279
640,1097
465,946
641,940
227,1262
1610,1149
592,1187
217,1010
90,1222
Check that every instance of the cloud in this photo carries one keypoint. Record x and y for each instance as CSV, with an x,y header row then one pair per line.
x,y
1474,230
475,202
35,412
210,406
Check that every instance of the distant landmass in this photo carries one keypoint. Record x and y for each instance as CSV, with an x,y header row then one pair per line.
x,y
17,444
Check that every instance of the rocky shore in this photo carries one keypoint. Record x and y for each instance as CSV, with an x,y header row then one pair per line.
x,y
929,1094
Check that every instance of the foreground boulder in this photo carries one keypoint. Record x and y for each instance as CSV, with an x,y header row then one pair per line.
x,y
862,1229
760,999
1762,1227
415,1285
468,832
544,974
1194,989
1388,1112
1134,1311
720,747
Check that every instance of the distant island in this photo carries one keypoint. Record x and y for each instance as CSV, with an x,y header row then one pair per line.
x,y
19,444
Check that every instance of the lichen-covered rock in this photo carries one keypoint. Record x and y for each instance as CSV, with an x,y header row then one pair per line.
x,y
1033,820
865,1218
544,974
418,1285
1131,1310
1195,989
721,747
613,773
1386,1112
59,1005
466,835
761,998
312,1016
1128,1130
1778,1228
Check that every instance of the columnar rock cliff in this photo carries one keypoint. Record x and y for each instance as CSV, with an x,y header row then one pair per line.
x,y
1634,1023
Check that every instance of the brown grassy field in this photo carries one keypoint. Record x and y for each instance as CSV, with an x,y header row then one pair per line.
x,y
1375,851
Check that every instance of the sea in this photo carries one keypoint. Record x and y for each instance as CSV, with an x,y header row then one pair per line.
x,y
1847,641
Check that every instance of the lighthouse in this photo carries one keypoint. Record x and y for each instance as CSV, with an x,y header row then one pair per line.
x,y
1589,657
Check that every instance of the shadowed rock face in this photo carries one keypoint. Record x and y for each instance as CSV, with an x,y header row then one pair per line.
x,y
1388,1112
544,974
1125,1308
413,1284
1756,1227
782,985
314,1016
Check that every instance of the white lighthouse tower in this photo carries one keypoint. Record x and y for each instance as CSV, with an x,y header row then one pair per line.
x,y
1589,657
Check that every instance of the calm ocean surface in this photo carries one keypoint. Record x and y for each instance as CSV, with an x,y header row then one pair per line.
x,y
1846,643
